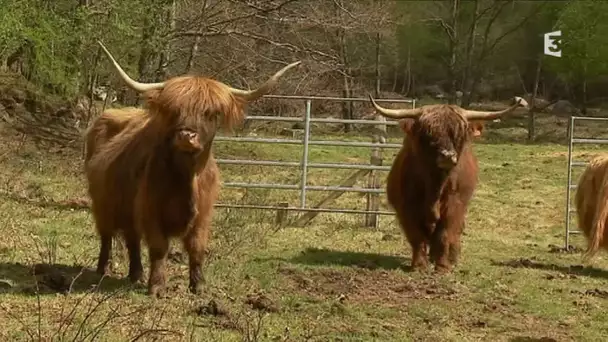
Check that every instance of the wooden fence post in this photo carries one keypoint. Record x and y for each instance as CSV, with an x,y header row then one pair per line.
x,y
373,199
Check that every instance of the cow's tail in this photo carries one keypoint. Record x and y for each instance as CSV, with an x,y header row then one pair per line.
x,y
594,185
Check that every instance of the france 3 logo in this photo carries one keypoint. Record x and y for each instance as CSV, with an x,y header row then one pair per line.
x,y
552,43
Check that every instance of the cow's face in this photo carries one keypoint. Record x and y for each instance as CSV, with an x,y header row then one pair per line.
x,y
191,146
187,141
191,138
440,136
191,110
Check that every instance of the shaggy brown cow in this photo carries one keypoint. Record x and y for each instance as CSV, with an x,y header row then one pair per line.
x,y
591,201
433,177
152,174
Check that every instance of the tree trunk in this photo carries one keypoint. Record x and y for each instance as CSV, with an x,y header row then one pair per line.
x,y
147,54
584,97
395,78
453,35
532,110
470,49
347,106
193,54
162,72
407,79
377,88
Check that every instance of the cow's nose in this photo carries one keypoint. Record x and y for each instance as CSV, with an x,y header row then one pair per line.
x,y
448,158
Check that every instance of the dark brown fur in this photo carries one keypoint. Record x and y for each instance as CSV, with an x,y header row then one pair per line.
x,y
431,201
152,174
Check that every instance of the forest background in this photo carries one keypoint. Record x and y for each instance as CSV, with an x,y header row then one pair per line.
x,y
465,52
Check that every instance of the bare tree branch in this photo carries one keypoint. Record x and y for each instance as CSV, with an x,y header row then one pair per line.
x,y
205,33
288,46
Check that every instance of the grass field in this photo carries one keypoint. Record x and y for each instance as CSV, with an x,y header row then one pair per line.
x,y
333,280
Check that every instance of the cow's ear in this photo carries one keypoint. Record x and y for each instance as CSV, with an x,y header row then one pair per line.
x,y
406,125
476,128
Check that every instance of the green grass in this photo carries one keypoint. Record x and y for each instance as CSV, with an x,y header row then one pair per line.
x,y
333,280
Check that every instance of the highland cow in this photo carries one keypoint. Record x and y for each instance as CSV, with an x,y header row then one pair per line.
x,y
433,177
591,201
151,172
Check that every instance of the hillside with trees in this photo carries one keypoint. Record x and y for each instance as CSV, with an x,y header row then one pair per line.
x,y
463,52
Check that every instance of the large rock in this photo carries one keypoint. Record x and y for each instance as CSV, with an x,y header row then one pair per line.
x,y
564,108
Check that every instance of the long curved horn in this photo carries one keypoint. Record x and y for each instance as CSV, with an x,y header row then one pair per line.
x,y
265,88
133,84
396,113
481,115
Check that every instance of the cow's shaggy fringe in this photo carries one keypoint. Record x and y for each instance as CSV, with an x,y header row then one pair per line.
x,y
591,201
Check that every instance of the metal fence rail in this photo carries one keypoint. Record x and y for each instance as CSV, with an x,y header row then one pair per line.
x,y
571,141
303,164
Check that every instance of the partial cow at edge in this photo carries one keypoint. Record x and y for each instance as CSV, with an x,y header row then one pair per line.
x,y
433,177
591,201
151,172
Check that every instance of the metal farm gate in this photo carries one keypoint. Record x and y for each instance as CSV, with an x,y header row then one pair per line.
x,y
306,119
570,186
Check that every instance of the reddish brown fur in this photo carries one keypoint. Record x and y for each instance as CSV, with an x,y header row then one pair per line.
x,y
107,125
591,203
152,174
431,201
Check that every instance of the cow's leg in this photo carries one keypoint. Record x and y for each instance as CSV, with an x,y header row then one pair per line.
x,y
440,247
133,242
158,249
455,229
105,253
105,231
447,237
454,254
196,245
419,255
417,240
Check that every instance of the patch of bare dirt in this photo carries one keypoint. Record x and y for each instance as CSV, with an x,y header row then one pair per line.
x,y
564,271
33,195
260,301
177,257
212,308
575,155
221,316
532,339
570,250
541,330
45,278
560,276
519,322
365,285
48,118
593,293
597,293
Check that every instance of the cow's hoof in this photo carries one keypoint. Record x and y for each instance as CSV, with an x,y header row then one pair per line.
x,y
196,289
421,267
156,291
442,269
104,270
136,277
